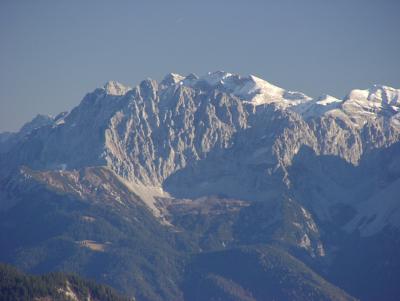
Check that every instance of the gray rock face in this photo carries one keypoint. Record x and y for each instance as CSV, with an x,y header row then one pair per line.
x,y
217,134
198,165
8,139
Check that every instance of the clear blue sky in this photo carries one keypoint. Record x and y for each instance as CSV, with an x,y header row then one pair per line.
x,y
53,52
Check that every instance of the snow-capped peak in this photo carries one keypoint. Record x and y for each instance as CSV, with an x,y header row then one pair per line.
x,y
318,106
250,88
172,79
359,105
260,92
216,78
373,102
115,88
376,94
326,100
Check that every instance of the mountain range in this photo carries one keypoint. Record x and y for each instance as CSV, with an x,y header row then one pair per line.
x,y
219,187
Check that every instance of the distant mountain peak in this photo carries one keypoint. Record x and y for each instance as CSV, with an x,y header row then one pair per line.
x,y
249,88
360,104
377,93
369,104
37,122
327,99
172,79
115,88
216,77
191,76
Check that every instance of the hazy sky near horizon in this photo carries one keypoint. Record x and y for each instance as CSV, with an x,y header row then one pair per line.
x,y
53,52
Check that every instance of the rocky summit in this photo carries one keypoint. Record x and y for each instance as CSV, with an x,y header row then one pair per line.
x,y
218,187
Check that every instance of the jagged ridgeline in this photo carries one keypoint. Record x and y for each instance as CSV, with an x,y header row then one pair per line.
x,y
140,187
